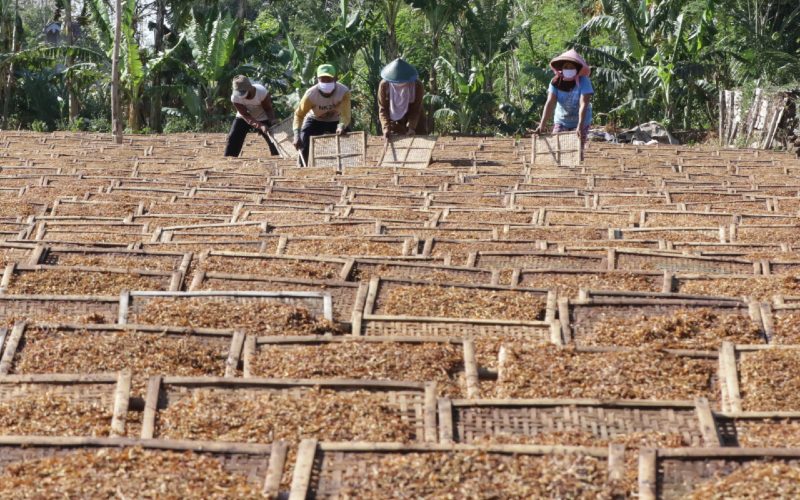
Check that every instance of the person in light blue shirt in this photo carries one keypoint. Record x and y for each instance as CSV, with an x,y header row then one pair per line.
x,y
569,96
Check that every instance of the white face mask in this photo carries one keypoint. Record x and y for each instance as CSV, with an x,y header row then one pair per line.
x,y
569,74
327,88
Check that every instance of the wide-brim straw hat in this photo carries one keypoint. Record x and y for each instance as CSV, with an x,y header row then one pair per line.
x,y
399,71
571,56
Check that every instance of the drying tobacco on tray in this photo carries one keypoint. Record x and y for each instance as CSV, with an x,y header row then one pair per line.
x,y
63,282
290,415
43,413
477,475
255,317
770,380
547,371
685,328
126,473
453,302
755,480
428,362
145,354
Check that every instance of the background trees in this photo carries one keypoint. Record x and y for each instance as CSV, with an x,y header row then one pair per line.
x,y
484,62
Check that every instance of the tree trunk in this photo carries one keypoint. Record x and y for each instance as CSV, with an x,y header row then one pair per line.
x,y
116,122
74,103
10,77
158,46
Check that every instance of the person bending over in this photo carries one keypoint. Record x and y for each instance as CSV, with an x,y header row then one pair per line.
x,y
324,109
570,95
254,111
400,100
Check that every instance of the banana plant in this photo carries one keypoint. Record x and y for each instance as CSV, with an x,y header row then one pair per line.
x,y
464,97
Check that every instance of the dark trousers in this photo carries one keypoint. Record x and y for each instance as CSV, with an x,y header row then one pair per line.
x,y
312,127
239,130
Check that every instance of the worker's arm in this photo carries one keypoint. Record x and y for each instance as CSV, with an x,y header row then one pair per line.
x,y
586,100
547,114
300,113
344,113
268,108
246,116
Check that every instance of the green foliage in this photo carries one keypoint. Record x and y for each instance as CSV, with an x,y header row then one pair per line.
x,y
484,62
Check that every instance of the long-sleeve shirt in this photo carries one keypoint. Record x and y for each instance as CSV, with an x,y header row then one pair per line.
x,y
414,108
334,108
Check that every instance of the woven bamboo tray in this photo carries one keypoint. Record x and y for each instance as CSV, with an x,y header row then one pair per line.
x,y
674,234
486,420
347,297
58,308
262,464
563,149
407,152
467,379
364,270
536,260
376,324
355,246
338,151
157,280
638,260
227,343
105,390
308,267
674,473
101,257
414,402
779,429
552,233
133,305
333,228
323,469
736,391
579,317
572,280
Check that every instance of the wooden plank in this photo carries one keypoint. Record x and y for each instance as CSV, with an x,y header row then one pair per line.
x,y
122,395
151,407
11,347
471,369
648,482
445,421
430,413
275,467
708,427
730,374
234,354
303,469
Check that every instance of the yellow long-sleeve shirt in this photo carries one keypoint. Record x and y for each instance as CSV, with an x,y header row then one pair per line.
x,y
335,107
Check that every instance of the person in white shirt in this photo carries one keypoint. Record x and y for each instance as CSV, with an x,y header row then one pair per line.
x,y
254,111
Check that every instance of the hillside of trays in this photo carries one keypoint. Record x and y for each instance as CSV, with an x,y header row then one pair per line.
x,y
484,327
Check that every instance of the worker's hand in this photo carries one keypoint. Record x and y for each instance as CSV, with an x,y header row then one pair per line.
x,y
580,133
541,129
298,144
339,131
263,129
411,132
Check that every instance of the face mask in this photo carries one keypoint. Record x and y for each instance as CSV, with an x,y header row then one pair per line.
x,y
327,88
569,74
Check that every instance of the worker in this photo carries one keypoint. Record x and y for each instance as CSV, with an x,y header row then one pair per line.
x,y
570,95
254,111
324,109
400,100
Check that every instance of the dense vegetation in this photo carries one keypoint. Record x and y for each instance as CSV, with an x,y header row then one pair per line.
x,y
484,62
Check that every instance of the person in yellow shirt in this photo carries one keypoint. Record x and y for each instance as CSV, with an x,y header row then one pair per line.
x,y
324,109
